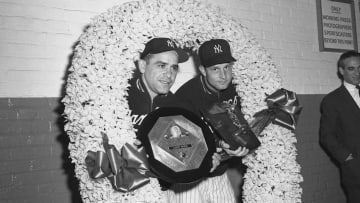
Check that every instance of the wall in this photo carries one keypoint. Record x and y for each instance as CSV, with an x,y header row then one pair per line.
x,y
34,163
37,38
36,43
321,176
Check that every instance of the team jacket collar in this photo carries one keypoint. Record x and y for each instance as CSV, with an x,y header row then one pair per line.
x,y
140,85
206,88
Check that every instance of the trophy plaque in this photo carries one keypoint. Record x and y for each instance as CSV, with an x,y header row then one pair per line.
x,y
230,125
178,143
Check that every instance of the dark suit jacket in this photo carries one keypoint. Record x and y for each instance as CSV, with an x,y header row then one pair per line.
x,y
340,131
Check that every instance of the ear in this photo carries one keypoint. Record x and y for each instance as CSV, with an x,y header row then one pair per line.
x,y
341,70
202,70
142,65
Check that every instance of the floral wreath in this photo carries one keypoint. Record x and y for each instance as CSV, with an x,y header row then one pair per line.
x,y
97,85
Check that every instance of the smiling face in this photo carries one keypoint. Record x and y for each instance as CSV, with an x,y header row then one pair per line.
x,y
159,72
351,70
217,77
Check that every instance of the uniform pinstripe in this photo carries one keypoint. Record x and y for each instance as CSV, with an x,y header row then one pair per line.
x,y
216,189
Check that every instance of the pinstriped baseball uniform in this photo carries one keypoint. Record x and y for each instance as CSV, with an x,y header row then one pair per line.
x,y
195,95
213,85
211,190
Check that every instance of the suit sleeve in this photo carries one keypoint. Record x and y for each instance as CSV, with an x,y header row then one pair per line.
x,y
330,135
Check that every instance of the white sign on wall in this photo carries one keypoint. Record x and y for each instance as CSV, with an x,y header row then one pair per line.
x,y
336,25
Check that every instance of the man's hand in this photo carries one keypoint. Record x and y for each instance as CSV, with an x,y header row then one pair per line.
x,y
216,158
239,152
137,142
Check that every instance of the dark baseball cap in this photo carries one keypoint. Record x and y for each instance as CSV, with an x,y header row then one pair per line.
x,y
158,45
215,51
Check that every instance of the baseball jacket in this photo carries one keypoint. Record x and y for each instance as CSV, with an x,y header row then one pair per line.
x,y
139,101
196,97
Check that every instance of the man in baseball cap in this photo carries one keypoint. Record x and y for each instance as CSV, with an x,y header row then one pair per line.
x,y
158,66
212,85
216,64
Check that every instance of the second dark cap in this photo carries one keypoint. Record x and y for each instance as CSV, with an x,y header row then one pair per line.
x,y
215,51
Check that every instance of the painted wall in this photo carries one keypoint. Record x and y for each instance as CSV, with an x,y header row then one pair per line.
x,y
34,163
36,42
37,38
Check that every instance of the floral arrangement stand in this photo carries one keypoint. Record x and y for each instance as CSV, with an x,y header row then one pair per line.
x,y
96,90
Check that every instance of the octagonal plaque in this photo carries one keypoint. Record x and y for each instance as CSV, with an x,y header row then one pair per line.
x,y
179,144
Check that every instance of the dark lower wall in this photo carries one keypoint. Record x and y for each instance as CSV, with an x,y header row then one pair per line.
x,y
321,175
34,164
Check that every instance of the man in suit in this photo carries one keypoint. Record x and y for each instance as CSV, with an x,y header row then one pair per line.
x,y
340,124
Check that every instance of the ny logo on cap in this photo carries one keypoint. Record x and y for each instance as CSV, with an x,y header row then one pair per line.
x,y
217,49
170,43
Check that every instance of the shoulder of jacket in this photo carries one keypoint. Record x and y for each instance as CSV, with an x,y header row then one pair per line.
x,y
188,86
333,96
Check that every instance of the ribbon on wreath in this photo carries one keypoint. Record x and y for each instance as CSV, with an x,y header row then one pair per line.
x,y
126,171
284,110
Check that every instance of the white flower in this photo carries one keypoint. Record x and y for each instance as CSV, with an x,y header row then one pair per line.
x,y
96,91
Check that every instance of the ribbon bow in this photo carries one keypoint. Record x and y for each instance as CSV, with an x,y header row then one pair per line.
x,y
126,171
284,110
